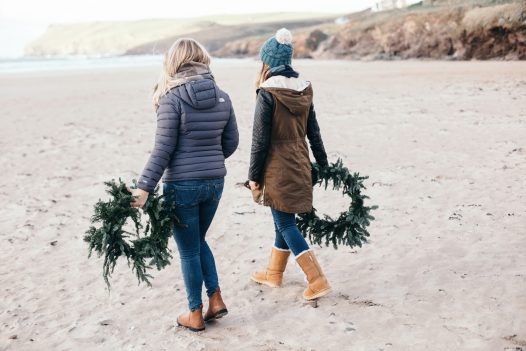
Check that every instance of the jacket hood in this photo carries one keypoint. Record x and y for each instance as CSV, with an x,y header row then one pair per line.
x,y
195,85
294,93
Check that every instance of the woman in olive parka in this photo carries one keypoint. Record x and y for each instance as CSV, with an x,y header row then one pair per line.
x,y
280,174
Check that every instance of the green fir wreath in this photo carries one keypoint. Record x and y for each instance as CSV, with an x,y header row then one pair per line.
x,y
142,248
350,228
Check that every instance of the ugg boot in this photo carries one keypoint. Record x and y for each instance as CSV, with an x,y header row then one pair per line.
x,y
318,284
273,276
192,320
216,307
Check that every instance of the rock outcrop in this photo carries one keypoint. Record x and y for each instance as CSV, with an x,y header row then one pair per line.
x,y
434,32
437,33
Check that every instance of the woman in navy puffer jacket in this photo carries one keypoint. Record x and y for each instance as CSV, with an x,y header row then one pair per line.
x,y
196,132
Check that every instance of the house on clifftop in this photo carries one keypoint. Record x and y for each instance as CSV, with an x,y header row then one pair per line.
x,y
383,5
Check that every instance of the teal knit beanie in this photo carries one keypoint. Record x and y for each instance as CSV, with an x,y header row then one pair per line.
x,y
278,49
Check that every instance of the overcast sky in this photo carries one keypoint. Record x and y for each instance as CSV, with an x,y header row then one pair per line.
x,y
53,11
21,21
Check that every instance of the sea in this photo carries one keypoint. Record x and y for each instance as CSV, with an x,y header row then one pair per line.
x,y
30,64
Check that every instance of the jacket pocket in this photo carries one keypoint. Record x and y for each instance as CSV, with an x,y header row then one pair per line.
x,y
217,191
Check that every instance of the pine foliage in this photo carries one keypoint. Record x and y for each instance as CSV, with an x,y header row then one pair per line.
x,y
145,246
350,228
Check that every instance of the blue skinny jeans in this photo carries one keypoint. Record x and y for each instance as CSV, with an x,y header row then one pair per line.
x,y
288,236
196,203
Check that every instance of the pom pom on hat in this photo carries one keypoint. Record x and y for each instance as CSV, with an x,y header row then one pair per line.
x,y
278,50
284,36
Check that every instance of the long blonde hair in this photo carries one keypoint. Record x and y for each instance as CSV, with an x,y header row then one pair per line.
x,y
263,75
184,50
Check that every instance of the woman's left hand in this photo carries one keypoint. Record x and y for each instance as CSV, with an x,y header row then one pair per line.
x,y
140,198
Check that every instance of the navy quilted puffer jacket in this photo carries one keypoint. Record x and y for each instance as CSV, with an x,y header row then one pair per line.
x,y
196,132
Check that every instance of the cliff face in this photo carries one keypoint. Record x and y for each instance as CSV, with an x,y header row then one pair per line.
x,y
106,38
434,32
218,38
434,29
441,33
156,36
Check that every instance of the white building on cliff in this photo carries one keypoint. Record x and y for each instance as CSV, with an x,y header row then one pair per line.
x,y
382,5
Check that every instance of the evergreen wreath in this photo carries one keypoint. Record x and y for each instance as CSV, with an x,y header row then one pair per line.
x,y
112,241
350,228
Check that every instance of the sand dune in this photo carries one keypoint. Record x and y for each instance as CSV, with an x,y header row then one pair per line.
x,y
443,143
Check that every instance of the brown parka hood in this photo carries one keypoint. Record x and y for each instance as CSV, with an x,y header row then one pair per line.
x,y
295,94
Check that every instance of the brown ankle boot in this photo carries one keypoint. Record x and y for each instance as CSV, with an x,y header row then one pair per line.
x,y
216,307
273,276
318,284
192,320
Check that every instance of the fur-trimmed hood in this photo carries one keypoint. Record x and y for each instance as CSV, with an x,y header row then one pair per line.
x,y
283,82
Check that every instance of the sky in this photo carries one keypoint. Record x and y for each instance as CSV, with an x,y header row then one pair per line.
x,y
59,11
24,20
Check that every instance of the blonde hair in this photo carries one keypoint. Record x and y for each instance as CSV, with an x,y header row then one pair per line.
x,y
183,51
263,75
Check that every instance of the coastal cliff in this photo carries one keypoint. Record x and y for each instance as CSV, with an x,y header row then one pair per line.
x,y
447,29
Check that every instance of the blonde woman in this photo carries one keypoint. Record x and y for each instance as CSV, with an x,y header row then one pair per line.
x,y
280,169
196,132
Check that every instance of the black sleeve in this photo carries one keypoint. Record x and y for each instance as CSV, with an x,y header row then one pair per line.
x,y
314,135
261,132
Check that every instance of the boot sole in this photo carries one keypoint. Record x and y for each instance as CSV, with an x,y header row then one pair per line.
x,y
195,330
318,294
217,315
265,282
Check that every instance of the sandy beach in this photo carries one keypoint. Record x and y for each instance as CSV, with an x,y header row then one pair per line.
x,y
444,144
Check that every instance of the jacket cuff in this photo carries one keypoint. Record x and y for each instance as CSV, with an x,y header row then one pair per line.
x,y
323,163
254,177
143,185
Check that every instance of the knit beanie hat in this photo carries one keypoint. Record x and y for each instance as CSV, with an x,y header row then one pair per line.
x,y
278,49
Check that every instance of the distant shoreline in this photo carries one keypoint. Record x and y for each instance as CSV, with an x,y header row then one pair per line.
x,y
72,63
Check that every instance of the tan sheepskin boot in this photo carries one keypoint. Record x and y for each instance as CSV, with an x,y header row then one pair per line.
x,y
192,320
273,276
318,284
216,307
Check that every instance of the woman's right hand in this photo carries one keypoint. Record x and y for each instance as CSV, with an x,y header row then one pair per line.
x,y
140,196
253,185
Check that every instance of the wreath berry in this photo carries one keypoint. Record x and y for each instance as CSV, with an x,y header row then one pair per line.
x,y
350,228
142,248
